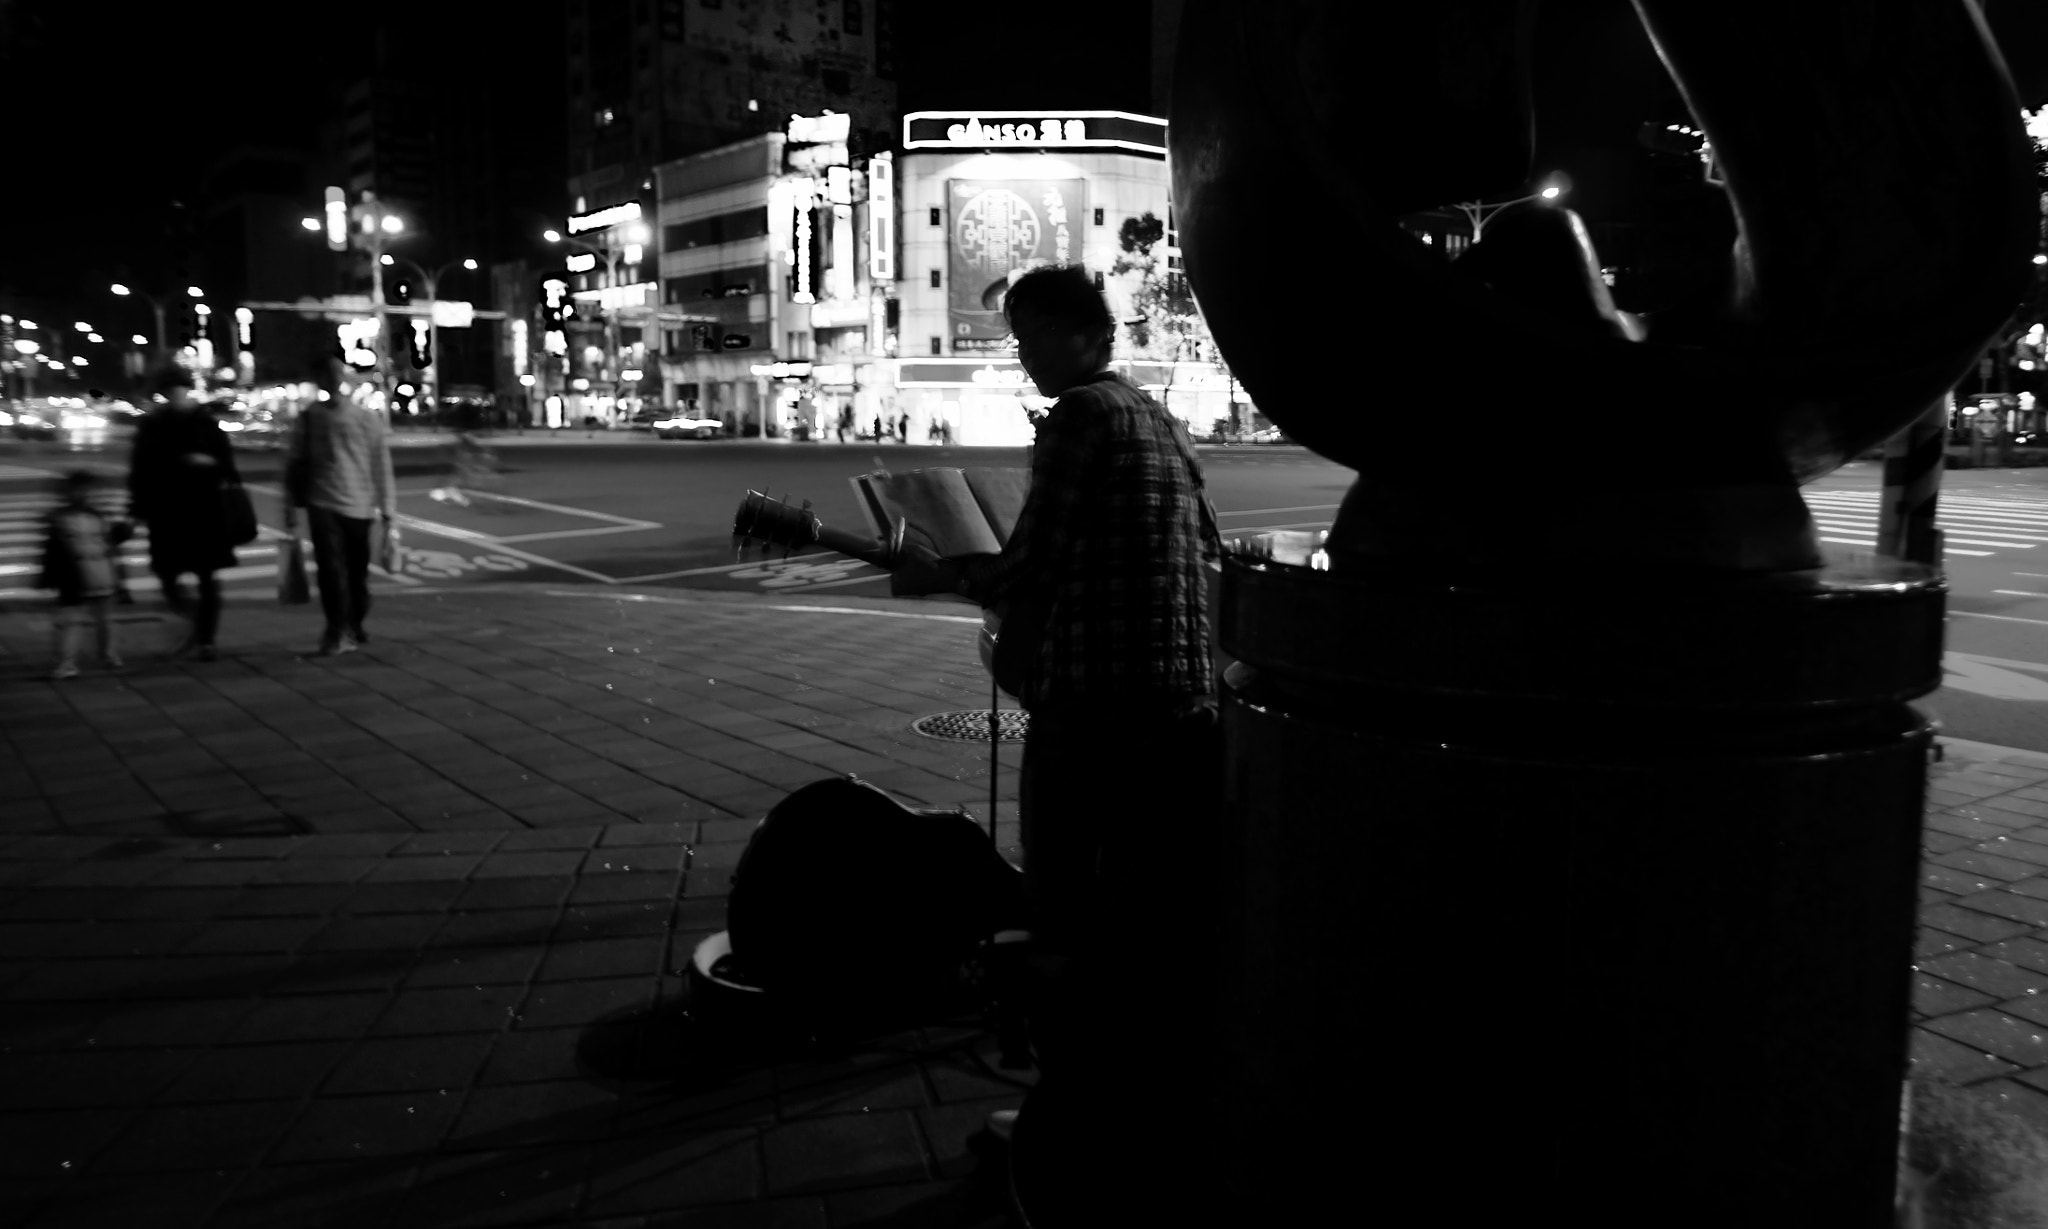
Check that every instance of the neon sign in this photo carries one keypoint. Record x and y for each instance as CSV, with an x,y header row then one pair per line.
x,y
612,216
1107,130
882,219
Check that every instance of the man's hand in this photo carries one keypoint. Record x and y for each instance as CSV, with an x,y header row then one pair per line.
x,y
920,571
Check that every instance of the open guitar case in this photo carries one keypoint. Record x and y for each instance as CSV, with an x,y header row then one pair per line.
x,y
849,908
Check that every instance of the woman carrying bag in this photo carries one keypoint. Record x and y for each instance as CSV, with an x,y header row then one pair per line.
x,y
182,482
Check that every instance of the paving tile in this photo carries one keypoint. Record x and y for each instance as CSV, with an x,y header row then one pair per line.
x,y
288,900
551,839
375,897
2027,953
2031,910
162,1201
450,1009
336,972
2021,1097
529,865
494,927
621,957
524,893
537,1054
843,1150
519,1187
88,1077
272,934
386,1125
555,1004
1935,1055
256,1072
660,1175
193,1023
1995,977
480,966
53,1143
231,1135
396,932
616,886
1970,923
310,1017
451,843
447,869
613,920
530,1114
403,1064
825,1090
2019,1041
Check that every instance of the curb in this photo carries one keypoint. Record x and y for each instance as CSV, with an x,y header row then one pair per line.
x,y
1964,750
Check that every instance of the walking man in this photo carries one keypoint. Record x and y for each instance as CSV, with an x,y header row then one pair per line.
x,y
340,472
1120,757
179,467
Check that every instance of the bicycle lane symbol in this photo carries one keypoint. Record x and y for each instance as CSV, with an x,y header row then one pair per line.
x,y
799,573
445,565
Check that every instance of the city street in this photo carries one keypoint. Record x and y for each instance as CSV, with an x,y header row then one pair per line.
x,y
619,510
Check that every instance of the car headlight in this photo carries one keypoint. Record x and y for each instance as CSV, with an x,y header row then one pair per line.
x,y
667,423
231,426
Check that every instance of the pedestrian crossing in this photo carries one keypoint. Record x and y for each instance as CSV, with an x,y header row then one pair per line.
x,y
1971,525
21,552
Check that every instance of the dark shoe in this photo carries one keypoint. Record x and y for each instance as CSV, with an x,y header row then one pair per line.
x,y
335,646
1003,1124
206,652
358,635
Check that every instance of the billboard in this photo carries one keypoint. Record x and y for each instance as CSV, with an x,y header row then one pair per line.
x,y
994,227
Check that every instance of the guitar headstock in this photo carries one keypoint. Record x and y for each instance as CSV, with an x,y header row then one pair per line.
x,y
772,522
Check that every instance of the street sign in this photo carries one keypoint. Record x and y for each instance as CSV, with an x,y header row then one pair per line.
x,y
453,314
1988,424
736,341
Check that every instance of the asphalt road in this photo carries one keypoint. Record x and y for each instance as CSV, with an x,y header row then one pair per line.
x,y
643,512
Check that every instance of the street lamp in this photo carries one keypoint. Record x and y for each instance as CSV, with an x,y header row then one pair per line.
x,y
611,317
432,282
1478,213
163,341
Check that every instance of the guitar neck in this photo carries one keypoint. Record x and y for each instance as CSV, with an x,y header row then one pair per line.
x,y
867,550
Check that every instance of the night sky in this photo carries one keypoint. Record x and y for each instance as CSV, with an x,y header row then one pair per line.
x,y
113,112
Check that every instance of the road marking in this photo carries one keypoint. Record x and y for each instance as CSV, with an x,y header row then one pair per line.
x,y
723,567
688,601
2001,618
620,524
574,533
2018,593
1987,676
1271,511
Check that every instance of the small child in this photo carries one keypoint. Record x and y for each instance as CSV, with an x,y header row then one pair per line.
x,y
78,562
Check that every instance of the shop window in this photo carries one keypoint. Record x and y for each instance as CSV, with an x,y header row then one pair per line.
x,y
1098,215
935,279
935,216
938,345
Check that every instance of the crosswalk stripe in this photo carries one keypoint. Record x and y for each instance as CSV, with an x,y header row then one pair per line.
x,y
241,552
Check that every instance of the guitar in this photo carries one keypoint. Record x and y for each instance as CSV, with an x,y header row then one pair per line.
x,y
772,522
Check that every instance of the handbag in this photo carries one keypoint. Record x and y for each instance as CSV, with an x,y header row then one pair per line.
x,y
237,515
390,556
292,589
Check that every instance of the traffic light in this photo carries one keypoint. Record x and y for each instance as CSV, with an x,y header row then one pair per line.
x,y
422,346
556,305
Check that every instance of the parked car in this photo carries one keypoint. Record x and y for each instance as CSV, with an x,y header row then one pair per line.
x,y
688,424
644,420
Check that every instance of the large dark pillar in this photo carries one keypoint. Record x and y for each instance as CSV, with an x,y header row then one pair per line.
x,y
1573,802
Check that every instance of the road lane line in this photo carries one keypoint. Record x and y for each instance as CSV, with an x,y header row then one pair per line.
x,y
1271,511
575,533
688,601
2017,593
2001,618
627,521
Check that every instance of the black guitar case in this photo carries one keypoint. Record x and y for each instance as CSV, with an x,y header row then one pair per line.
x,y
845,895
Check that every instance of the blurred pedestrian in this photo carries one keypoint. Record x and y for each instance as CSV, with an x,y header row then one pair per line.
x,y
340,472
845,422
177,470
903,428
78,563
878,428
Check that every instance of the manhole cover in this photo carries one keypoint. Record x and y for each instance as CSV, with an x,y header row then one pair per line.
x,y
972,725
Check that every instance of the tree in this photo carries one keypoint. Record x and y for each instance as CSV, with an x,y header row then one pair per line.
x,y
1165,325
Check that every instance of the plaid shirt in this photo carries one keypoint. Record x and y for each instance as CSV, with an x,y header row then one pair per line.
x,y
1111,536
348,449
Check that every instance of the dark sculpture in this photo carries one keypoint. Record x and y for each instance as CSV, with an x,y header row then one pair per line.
x,y
1574,804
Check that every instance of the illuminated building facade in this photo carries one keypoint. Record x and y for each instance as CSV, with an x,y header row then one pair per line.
x,y
986,195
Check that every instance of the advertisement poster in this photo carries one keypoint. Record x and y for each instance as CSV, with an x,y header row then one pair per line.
x,y
996,226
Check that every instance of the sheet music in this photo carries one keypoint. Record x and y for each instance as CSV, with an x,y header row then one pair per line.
x,y
941,507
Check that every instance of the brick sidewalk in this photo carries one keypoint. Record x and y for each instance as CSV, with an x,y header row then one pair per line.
x,y
395,938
